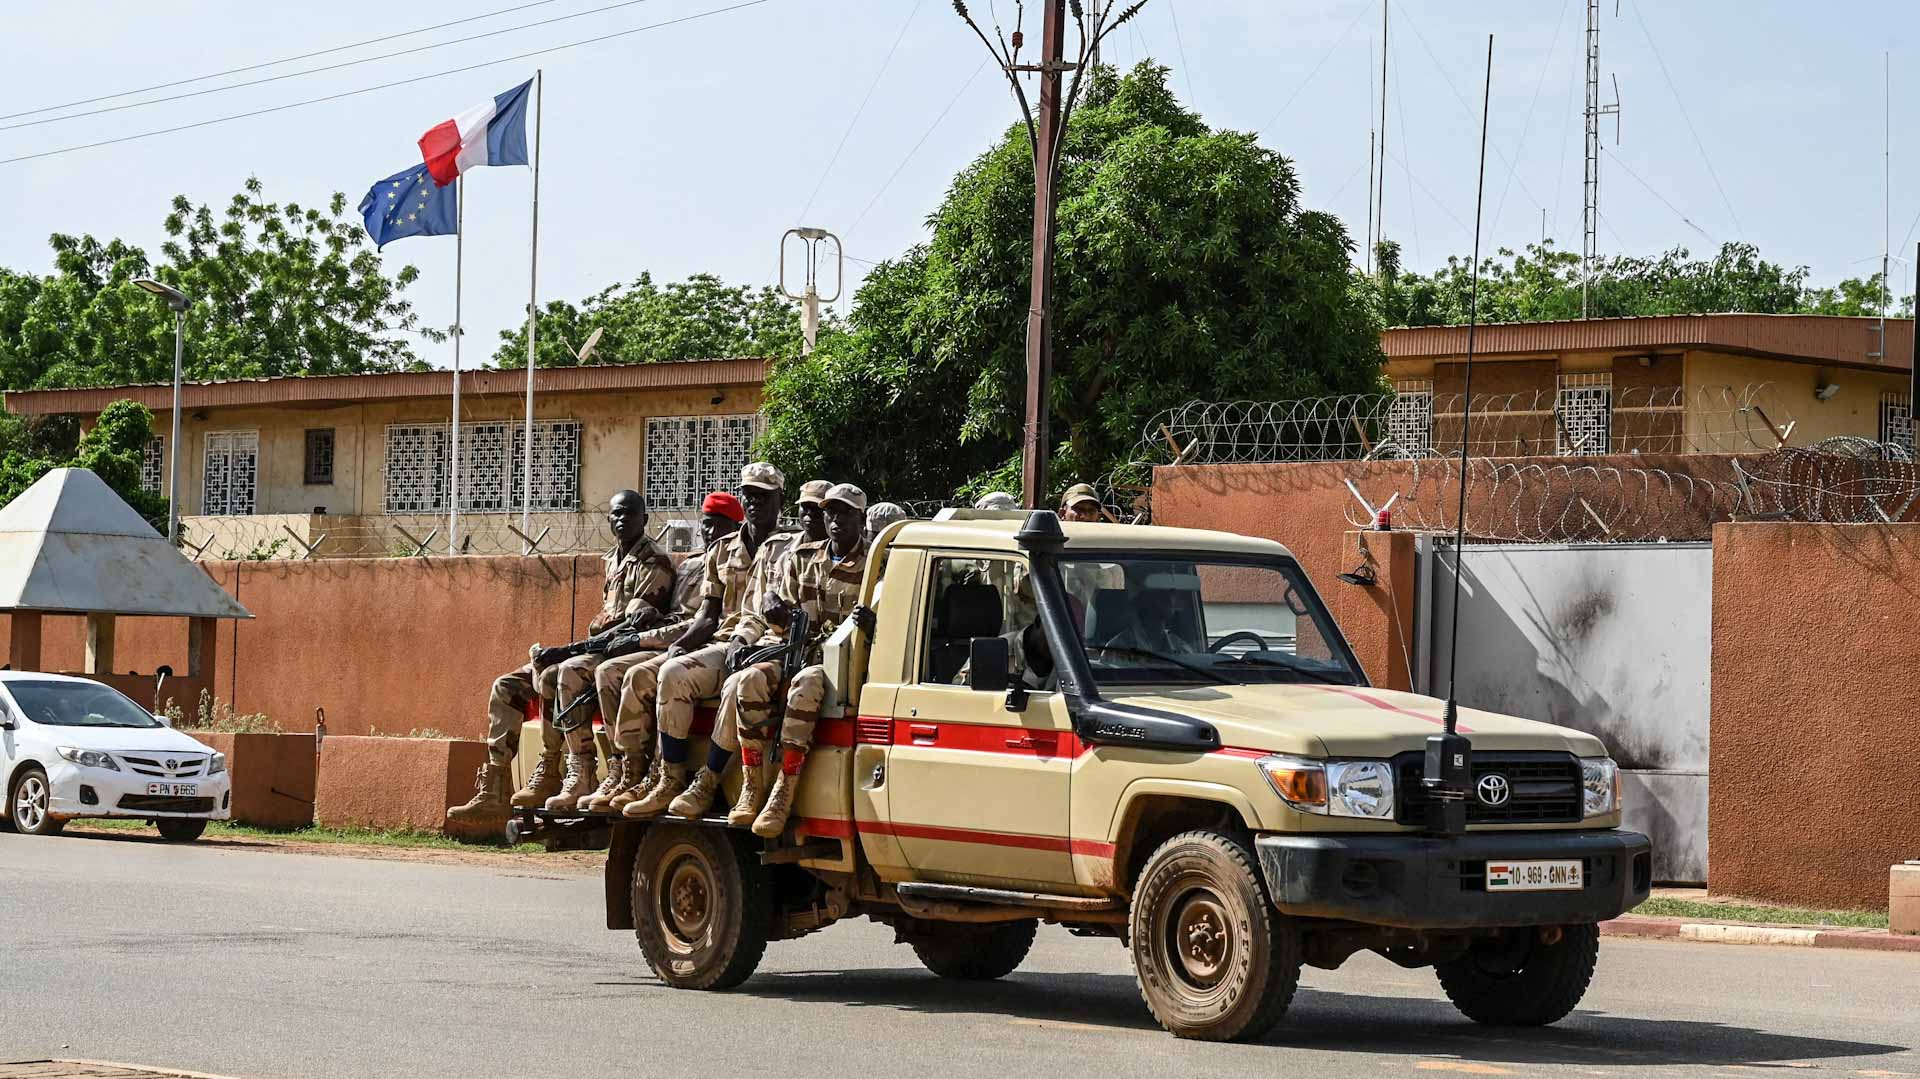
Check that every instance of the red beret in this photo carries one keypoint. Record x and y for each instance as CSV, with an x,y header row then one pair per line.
x,y
724,504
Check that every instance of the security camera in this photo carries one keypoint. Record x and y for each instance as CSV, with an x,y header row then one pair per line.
x,y
1825,390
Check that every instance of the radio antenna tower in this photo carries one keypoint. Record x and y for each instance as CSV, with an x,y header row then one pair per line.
x,y
1590,245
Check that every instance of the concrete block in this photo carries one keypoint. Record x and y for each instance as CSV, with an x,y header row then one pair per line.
x,y
1903,898
273,776
371,782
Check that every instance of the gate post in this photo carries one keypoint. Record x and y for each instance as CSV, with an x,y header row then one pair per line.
x,y
1378,617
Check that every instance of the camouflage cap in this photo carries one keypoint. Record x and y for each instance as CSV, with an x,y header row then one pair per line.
x,y
813,492
761,474
882,514
1079,492
847,494
996,500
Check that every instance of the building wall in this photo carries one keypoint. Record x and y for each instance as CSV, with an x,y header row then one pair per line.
x,y
1787,396
1815,710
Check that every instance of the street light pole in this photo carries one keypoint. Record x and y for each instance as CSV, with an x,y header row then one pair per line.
x,y
178,301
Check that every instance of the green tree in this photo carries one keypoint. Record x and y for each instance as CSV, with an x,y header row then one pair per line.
x,y
1186,268
111,449
641,322
277,290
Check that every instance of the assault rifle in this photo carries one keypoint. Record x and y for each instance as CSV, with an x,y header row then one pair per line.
x,y
792,654
621,634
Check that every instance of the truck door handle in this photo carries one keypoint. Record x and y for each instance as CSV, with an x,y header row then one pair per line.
x,y
1030,742
924,734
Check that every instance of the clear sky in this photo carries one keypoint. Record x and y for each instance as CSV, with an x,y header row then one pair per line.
x,y
692,147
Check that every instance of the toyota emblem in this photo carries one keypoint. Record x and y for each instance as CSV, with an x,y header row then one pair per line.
x,y
172,764
1494,790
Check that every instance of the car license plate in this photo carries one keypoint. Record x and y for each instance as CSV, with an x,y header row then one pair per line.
x,y
174,790
1534,876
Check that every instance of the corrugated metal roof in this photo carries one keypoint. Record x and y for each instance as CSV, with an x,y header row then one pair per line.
x,y
338,389
1826,340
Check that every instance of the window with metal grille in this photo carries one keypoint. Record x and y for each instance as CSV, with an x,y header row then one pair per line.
x,y
1410,416
687,456
150,467
483,467
491,463
1896,420
556,465
319,468
232,467
416,467
1584,413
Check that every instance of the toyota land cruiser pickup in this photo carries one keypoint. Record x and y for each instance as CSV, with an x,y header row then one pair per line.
x,y
1157,735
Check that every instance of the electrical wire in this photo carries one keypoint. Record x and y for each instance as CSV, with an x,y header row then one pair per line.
x,y
1464,227
385,85
326,67
1457,96
1186,69
1658,195
1322,62
1547,65
274,63
895,174
1699,145
858,112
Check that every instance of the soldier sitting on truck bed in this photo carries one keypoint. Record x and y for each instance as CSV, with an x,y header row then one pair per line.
x,y
694,668
629,759
638,578
823,580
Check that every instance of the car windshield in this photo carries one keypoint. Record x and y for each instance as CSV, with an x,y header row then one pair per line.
x,y
77,704
1204,620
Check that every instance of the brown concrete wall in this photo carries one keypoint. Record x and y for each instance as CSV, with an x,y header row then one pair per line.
x,y
273,776
1377,619
394,782
1815,710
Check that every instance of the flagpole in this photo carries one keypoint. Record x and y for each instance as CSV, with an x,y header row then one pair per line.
x,y
533,290
453,480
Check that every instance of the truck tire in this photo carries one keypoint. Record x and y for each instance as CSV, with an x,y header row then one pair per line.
x,y
180,829
702,906
974,953
1519,980
28,803
1214,960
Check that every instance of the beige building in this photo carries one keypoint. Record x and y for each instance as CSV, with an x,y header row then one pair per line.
x,y
271,466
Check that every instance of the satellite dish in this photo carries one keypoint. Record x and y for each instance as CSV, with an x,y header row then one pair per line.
x,y
592,340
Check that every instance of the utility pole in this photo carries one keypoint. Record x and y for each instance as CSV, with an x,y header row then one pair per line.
x,y
1590,187
810,298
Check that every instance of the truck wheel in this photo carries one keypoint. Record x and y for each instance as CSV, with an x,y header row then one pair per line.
x,y
1517,979
180,829
1214,960
29,802
702,906
974,953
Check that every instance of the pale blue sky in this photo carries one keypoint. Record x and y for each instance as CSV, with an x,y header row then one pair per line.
x,y
692,147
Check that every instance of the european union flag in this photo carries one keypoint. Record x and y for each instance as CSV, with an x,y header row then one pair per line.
x,y
407,204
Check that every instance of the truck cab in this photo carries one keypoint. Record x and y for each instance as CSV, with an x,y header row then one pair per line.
x,y
1161,736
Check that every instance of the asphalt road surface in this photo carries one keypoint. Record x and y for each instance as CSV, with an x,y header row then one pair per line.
x,y
255,963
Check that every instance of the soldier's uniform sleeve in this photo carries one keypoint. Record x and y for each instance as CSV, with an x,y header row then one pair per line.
x,y
713,583
753,623
650,581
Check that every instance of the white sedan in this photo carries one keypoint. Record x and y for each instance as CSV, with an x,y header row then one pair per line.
x,y
72,747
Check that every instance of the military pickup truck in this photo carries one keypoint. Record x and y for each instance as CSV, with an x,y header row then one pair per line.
x,y
1157,735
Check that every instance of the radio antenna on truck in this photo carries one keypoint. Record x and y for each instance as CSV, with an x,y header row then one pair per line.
x,y
1448,770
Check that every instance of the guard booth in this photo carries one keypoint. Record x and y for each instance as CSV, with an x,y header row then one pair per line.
x,y
70,546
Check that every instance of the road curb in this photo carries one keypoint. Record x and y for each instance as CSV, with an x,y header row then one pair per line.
x,y
1874,940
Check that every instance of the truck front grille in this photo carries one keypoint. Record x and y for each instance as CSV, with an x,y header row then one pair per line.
x,y
1545,788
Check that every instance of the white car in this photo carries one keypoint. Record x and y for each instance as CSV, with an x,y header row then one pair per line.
x,y
72,747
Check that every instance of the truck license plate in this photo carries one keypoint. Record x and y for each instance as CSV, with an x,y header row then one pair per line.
x,y
1534,876
174,790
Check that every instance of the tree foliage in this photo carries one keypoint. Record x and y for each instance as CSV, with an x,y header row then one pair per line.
x,y
1186,268
1542,284
111,449
641,322
276,289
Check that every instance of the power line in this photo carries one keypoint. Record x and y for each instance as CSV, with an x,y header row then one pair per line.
x,y
1457,96
1698,145
326,67
1322,62
273,63
1527,125
1186,69
1658,195
858,112
385,85
854,228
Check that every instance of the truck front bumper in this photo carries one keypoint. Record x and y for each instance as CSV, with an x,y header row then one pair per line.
x,y
1423,882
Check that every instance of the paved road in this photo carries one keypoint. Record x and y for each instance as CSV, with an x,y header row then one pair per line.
x,y
252,963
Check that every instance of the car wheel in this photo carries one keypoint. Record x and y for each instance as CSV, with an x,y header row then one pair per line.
x,y
973,953
29,803
702,906
1213,958
181,829
1523,977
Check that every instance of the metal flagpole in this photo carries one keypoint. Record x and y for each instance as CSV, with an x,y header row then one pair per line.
x,y
453,473
533,288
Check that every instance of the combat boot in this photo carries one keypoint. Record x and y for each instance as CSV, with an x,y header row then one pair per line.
x,y
671,779
623,772
489,803
583,774
698,797
543,784
753,784
616,767
772,821
619,802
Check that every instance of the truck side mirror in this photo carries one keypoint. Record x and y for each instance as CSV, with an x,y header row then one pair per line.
x,y
989,664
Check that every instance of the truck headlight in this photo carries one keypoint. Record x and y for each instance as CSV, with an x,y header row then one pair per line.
x,y
1599,786
88,758
1332,788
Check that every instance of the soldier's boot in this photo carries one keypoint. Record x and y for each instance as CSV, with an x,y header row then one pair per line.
x,y
616,783
489,803
543,784
616,766
638,790
660,793
694,802
772,821
583,775
753,784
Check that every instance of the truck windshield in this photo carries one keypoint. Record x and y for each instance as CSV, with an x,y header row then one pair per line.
x,y
1202,619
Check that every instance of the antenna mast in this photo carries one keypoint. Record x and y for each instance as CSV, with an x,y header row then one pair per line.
x,y
1590,188
1380,215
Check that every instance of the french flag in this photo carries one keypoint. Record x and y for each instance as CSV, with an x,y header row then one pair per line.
x,y
493,132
